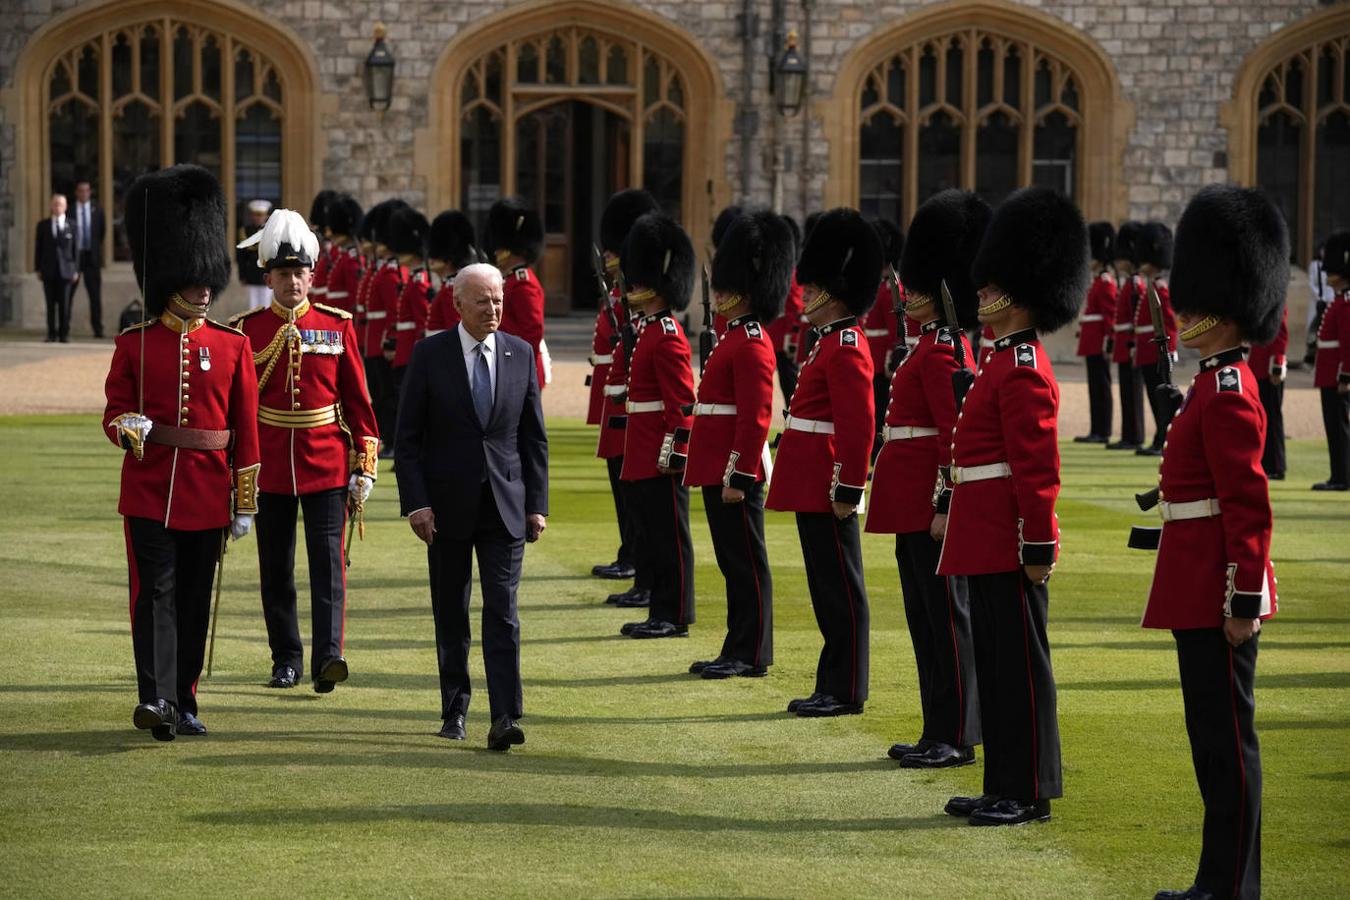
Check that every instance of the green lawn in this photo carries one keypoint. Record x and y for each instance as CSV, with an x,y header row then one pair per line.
x,y
637,779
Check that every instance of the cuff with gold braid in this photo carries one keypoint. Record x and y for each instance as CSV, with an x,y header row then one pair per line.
x,y
246,490
368,458
942,491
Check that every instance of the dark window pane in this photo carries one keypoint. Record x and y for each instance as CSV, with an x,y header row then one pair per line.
x,y
1293,84
869,94
1069,96
480,165
243,75
87,64
928,76
1331,194
556,61
939,156
493,76
257,155
527,64
271,87
182,64
955,73
1055,154
1012,77
557,143
617,66
984,83
1277,165
1044,89
588,61
880,147
663,159
1270,92
211,68
196,138
121,66
73,146
60,83
996,158
470,92
675,91
135,152
651,81
895,82
150,68
1326,76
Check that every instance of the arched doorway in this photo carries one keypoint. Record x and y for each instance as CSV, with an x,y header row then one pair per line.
x,y
565,103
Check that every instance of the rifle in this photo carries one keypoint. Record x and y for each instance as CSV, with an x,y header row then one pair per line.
x,y
1310,354
1167,394
627,332
605,291
901,348
705,337
962,378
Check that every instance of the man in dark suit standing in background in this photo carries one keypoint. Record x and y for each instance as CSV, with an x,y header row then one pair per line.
x,y
56,264
89,226
472,459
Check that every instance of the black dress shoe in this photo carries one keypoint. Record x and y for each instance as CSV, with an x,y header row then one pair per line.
x,y
1012,812
1275,476
629,627
1122,445
190,725
622,595
734,668
963,807
900,751
794,705
825,706
160,718
283,677
452,729
1330,486
615,570
698,666
1148,451
1091,439
505,732
331,674
655,628
1191,893
634,600
938,756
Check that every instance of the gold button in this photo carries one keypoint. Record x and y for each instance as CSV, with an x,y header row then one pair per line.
x,y
186,396
295,390
184,410
295,406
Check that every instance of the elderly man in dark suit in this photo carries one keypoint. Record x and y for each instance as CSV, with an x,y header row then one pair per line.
x,y
56,263
90,227
472,459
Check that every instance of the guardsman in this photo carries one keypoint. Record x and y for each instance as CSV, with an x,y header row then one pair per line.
x,y
607,351
1095,327
250,276
613,430
369,266
782,330
344,214
317,429
1153,250
409,231
917,429
721,225
183,401
658,267
1269,364
451,246
1213,583
515,240
882,324
381,312
1331,372
821,469
805,337
1132,295
328,249
1001,531
728,444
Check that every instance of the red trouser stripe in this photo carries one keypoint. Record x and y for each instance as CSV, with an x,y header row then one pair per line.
x,y
853,617
1031,692
1242,768
754,570
956,657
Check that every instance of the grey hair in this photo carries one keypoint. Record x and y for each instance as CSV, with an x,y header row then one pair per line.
x,y
475,270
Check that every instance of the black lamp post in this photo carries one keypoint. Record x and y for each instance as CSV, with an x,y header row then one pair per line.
x,y
790,84
380,72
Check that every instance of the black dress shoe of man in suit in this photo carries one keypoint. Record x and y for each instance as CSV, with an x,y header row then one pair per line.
x,y
615,570
1091,439
1330,486
794,705
160,718
1191,893
629,627
939,756
962,807
190,726
630,594
826,706
900,751
635,600
452,729
331,674
697,667
505,732
283,677
1123,445
1012,812
734,668
655,628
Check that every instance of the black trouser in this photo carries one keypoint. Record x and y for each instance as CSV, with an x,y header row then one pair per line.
x,y
1217,682
622,514
383,400
171,576
1162,416
1099,395
325,526
91,276
787,374
881,398
737,531
1272,401
1131,404
937,610
1336,421
832,551
1018,715
395,400
665,548
450,561
57,293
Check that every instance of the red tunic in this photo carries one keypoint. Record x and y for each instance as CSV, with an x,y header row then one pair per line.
x,y
363,290
907,467
783,330
659,374
1122,327
734,409
1099,315
344,278
382,305
325,374
323,270
442,316
1267,359
1010,417
523,312
198,378
881,327
1333,344
1220,564
414,305
817,467
1145,351
604,347
986,345
613,412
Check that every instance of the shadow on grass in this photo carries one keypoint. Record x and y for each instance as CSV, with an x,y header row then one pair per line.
x,y
1334,680
358,643
1266,644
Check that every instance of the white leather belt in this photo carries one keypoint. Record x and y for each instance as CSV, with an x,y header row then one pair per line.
x,y
615,390
645,406
906,432
1143,329
376,314
1192,509
876,332
1091,317
360,307
405,326
335,295
1328,345
714,409
967,474
602,359
810,426
1126,327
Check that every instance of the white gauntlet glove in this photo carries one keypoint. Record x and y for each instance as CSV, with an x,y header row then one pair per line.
x,y
241,525
359,487
132,430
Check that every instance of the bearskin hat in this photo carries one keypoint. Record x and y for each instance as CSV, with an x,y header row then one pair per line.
x,y
843,256
892,240
1102,238
452,239
343,215
659,255
622,210
1153,246
944,237
1036,251
175,222
408,233
375,226
755,259
1232,260
514,228
724,221
796,235
1336,254
810,223
1126,239
318,210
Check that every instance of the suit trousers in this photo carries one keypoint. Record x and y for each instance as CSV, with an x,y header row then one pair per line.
x,y
832,551
1217,688
171,575
1336,421
383,400
450,562
91,276
325,527
665,548
737,531
57,292
937,610
622,514
787,374
1099,395
1272,401
1131,404
1161,417
1018,715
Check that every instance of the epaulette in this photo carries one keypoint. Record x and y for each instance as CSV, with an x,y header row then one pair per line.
x,y
223,327
239,317
753,330
1229,379
668,325
944,336
332,310
1025,355
522,273
142,324
848,338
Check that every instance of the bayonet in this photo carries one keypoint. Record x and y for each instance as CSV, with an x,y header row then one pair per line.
x,y
962,378
705,338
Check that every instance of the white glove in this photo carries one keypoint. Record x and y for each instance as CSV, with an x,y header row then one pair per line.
x,y
241,525
359,487
132,430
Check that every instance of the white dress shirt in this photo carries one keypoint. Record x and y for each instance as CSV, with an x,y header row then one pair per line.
x,y
82,218
470,348
58,225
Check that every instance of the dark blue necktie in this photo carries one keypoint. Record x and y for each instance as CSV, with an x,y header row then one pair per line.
x,y
482,386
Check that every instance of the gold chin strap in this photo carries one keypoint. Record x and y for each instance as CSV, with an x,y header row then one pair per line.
x,y
729,303
612,263
998,305
185,309
916,302
503,256
821,299
641,296
1200,328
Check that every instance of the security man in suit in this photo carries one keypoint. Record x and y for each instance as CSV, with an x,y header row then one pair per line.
x,y
1001,531
90,228
1153,250
57,266
183,402
1213,584
1331,370
728,444
318,432
917,429
823,456
343,215
1095,327
1132,293
451,245
515,241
